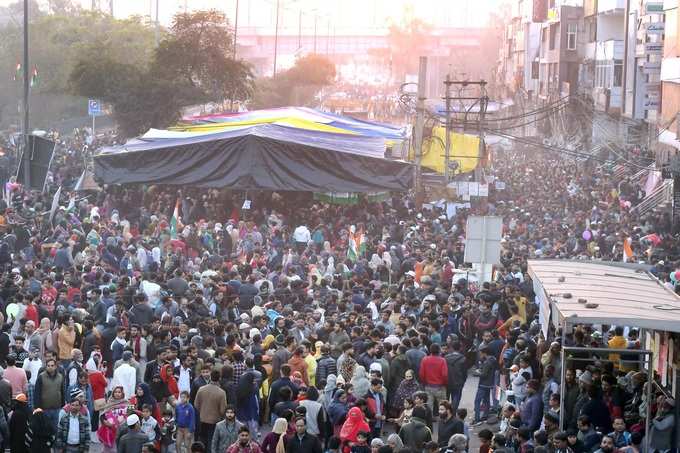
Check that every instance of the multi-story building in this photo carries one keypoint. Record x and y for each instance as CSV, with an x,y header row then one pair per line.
x,y
561,48
602,69
669,126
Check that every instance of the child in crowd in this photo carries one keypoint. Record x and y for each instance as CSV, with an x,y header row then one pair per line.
x,y
361,445
149,424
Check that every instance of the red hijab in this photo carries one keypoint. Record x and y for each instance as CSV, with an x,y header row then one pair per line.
x,y
354,423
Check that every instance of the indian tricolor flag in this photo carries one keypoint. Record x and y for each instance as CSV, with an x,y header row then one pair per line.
x,y
357,243
174,221
34,77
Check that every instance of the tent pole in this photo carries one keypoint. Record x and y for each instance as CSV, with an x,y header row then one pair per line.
x,y
563,374
650,377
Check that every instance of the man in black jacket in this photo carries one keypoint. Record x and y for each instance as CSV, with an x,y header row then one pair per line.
x,y
457,374
302,441
487,368
325,365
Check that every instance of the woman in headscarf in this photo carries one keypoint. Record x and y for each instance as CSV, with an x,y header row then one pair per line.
x,y
143,396
354,423
329,391
247,404
18,425
40,433
394,441
159,389
360,382
167,375
274,442
406,389
337,411
113,415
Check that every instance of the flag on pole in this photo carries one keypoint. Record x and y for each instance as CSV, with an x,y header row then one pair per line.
x,y
34,77
357,243
174,221
55,203
17,72
627,250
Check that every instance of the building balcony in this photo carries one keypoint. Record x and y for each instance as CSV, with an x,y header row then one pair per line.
x,y
609,50
608,100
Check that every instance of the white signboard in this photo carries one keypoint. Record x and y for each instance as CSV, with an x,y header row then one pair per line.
x,y
483,239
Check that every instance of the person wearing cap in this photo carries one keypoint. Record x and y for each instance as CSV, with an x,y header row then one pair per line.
x,y
134,439
73,431
18,424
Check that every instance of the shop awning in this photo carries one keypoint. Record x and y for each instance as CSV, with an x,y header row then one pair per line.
x,y
625,295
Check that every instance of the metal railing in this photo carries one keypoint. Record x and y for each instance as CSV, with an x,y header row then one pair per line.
x,y
662,194
637,176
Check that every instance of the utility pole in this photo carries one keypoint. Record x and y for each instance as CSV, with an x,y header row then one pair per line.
x,y
316,20
420,122
26,125
158,24
447,131
235,29
300,30
111,7
328,35
276,34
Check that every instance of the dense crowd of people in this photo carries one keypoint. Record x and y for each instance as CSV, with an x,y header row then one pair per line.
x,y
254,330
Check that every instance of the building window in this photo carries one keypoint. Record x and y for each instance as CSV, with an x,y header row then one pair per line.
x,y
618,72
572,30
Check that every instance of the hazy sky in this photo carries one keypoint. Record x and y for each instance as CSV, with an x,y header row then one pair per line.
x,y
343,14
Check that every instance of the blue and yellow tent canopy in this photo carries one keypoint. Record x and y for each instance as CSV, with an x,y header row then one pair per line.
x,y
302,118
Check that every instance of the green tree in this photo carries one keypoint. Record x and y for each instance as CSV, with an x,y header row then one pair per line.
x,y
298,85
191,65
198,51
57,42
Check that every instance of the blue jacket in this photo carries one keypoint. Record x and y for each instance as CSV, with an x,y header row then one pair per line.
x,y
185,416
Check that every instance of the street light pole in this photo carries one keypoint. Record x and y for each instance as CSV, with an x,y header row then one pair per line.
x,y
26,125
276,34
157,25
300,30
235,29
316,19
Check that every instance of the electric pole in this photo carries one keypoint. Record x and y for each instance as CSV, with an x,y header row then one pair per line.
x,y
26,126
235,28
276,34
157,31
316,20
447,131
420,122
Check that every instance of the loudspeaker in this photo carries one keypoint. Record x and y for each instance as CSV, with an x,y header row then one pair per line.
x,y
40,153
